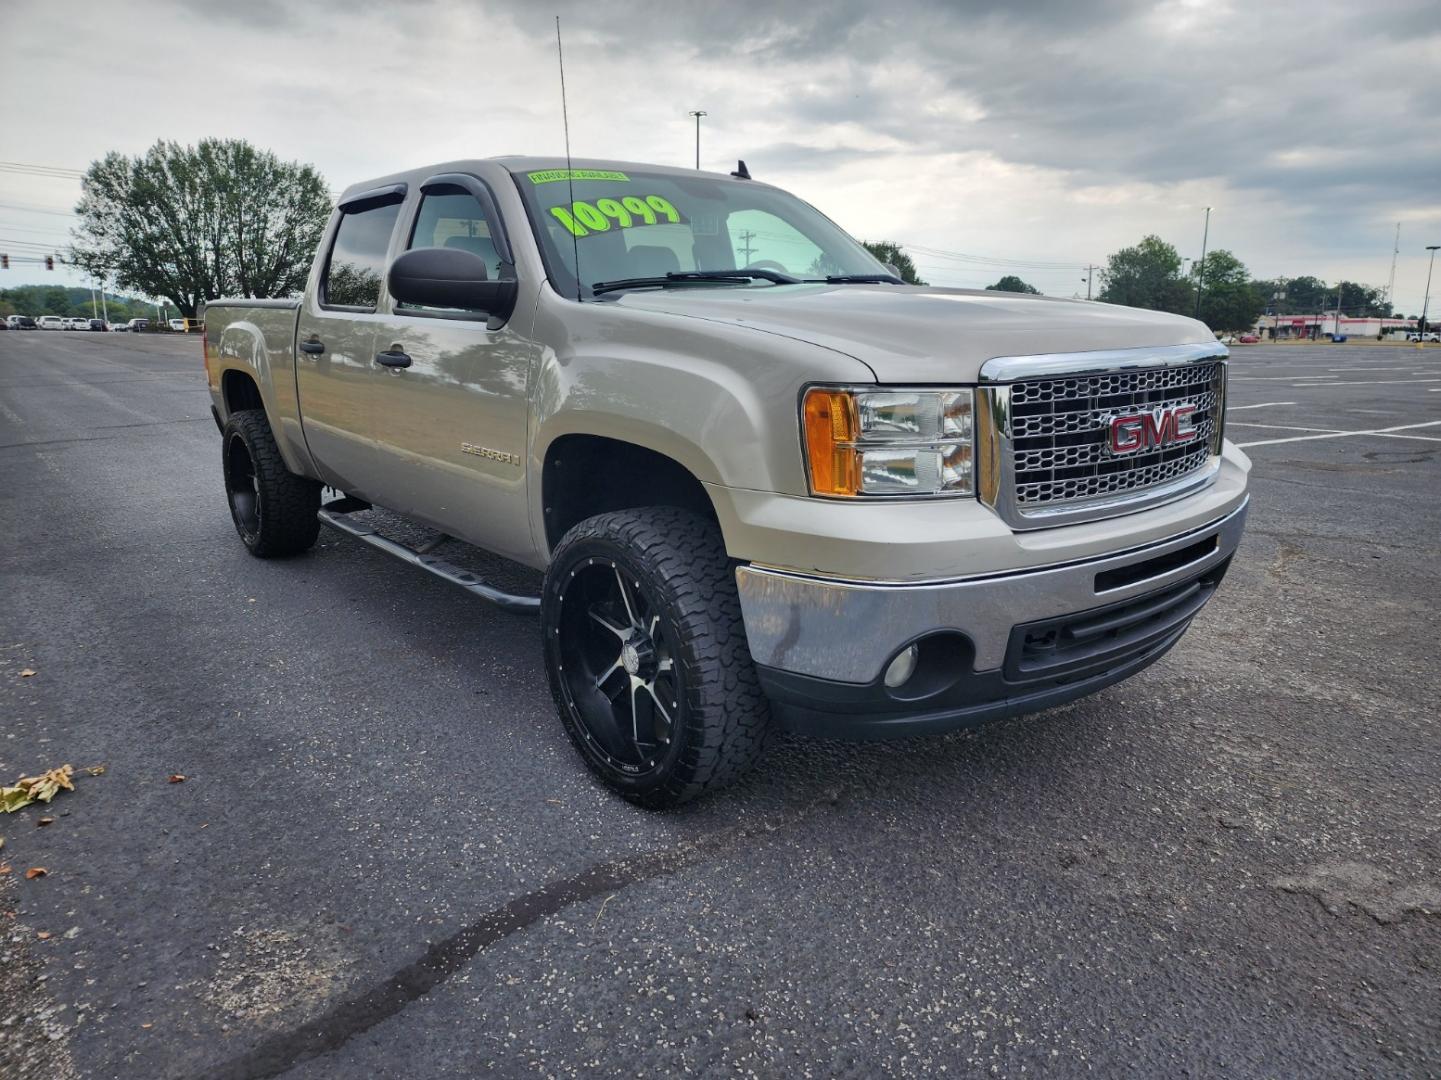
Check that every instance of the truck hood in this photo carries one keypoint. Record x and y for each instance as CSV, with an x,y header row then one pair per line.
x,y
921,334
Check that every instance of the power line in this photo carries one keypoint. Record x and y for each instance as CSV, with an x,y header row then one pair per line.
x,y
31,208
28,169
32,244
988,260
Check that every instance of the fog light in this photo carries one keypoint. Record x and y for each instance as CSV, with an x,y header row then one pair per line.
x,y
902,667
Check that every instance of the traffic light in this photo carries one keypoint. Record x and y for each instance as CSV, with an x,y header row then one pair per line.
x,y
49,262
4,262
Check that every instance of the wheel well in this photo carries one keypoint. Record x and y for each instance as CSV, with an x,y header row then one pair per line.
x,y
240,392
585,475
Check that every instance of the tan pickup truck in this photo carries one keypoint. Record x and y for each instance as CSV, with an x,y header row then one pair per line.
x,y
768,484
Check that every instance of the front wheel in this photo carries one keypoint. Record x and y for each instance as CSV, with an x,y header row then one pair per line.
x,y
647,655
275,511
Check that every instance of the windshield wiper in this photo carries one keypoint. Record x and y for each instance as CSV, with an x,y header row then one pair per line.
x,y
860,279
683,276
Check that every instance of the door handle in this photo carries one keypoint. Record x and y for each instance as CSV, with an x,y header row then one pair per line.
x,y
393,357
314,345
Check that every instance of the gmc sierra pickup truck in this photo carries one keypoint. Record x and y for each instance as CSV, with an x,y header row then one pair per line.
x,y
767,483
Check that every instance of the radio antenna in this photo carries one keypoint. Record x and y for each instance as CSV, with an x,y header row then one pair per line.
x,y
569,172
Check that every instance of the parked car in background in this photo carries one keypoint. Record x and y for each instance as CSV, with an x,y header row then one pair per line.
x,y
22,322
177,325
1418,336
96,325
137,325
51,322
1248,339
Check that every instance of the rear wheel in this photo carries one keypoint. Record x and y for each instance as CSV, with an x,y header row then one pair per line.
x,y
647,655
274,510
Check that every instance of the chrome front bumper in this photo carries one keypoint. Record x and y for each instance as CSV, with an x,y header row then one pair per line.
x,y
848,631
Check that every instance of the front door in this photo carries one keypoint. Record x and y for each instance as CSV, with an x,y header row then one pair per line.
x,y
335,345
451,423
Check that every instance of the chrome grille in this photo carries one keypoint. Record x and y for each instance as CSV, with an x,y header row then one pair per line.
x,y
1058,432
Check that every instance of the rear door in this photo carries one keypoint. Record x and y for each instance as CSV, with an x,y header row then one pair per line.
x,y
451,424
335,342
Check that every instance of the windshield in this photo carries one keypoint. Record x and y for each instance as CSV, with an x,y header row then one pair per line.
x,y
644,224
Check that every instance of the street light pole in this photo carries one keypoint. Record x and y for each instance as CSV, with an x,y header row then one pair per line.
x,y
1201,266
1426,304
697,113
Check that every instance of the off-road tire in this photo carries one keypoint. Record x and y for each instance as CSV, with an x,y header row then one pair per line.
x,y
284,520
679,563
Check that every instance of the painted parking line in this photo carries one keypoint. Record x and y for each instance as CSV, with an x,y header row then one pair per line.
x,y
1372,382
1349,434
1261,405
1287,427
1278,378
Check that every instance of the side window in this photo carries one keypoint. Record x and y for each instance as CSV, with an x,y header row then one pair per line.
x,y
454,219
764,240
357,259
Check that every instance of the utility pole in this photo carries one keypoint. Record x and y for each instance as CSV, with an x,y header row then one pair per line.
x,y
94,311
1395,252
1089,271
1426,304
697,113
1201,265
104,311
1336,332
746,250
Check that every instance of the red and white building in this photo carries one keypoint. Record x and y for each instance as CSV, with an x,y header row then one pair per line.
x,y
1296,326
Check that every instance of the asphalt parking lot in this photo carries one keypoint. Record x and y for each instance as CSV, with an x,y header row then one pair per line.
x,y
385,859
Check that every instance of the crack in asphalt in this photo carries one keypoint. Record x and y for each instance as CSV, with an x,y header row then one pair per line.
x,y
355,1015
106,427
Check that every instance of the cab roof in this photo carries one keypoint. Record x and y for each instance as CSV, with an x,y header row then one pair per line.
x,y
519,164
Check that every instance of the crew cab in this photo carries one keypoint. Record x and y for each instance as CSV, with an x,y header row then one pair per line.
x,y
767,483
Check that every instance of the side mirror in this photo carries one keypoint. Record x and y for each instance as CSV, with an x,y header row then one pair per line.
x,y
450,278
895,271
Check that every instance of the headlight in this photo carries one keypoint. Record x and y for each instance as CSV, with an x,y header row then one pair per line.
x,y
889,442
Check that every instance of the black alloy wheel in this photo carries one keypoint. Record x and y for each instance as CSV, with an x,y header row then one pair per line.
x,y
646,651
618,667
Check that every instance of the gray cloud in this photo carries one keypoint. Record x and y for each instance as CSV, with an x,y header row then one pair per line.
x,y
1052,130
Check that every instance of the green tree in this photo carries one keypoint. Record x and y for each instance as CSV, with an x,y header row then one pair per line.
x,y
1011,283
1147,275
888,251
1304,295
1230,301
1360,300
193,223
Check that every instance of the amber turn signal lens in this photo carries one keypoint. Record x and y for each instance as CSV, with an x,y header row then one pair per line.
x,y
830,418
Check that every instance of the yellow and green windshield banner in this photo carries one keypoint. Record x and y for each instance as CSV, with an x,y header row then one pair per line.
x,y
549,176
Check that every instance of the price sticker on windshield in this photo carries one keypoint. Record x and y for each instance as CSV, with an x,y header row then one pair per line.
x,y
582,218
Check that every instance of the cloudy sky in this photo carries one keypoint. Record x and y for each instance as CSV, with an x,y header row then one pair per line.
x,y
1031,138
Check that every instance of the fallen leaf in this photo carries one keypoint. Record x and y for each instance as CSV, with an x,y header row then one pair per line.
x,y
35,872
45,821
95,770
27,673
4,868
42,788
177,778
44,935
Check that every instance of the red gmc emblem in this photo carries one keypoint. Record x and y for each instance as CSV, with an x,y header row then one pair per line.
x,y
1164,425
